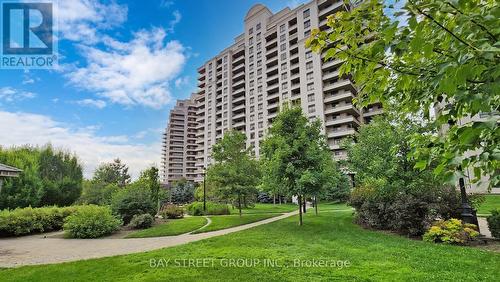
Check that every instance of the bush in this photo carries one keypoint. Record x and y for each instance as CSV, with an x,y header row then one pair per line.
x,y
196,209
142,221
172,212
132,201
24,221
494,223
91,222
451,231
409,211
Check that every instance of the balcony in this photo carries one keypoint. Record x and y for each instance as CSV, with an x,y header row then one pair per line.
x,y
345,108
342,120
341,133
331,9
372,112
337,85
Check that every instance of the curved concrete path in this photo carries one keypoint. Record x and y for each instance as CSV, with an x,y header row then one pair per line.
x,y
35,249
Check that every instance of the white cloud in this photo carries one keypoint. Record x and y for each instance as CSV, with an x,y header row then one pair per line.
x,y
99,104
137,72
27,128
9,94
182,81
177,19
166,3
81,20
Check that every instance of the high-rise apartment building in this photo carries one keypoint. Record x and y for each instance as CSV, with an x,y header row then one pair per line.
x,y
245,85
179,143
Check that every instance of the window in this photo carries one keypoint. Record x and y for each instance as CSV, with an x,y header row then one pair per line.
x,y
258,36
259,80
309,65
282,37
251,83
251,66
259,89
311,109
259,45
284,86
251,75
261,124
310,76
250,31
225,106
251,59
260,115
252,109
259,63
251,92
307,13
307,24
283,56
252,126
252,100
250,50
258,26
252,135
284,75
282,28
259,98
250,41
260,107
259,55
307,33
309,55
283,66
283,47
224,59
252,117
259,71
310,87
261,133
310,98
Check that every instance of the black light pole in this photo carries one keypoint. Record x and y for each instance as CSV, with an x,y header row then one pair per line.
x,y
204,190
467,212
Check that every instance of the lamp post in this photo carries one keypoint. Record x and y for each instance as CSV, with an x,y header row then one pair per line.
x,y
204,190
467,212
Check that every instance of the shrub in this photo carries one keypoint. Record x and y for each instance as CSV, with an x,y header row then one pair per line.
x,y
24,221
452,231
172,212
494,223
408,211
132,201
91,222
196,208
142,221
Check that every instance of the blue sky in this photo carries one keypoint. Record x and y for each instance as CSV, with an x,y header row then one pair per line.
x,y
123,64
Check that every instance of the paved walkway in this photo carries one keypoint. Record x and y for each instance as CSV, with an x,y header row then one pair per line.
x,y
37,249
483,227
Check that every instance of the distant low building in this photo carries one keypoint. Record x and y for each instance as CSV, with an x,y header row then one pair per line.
x,y
7,171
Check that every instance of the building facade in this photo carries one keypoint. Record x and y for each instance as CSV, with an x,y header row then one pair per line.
x,y
244,86
179,143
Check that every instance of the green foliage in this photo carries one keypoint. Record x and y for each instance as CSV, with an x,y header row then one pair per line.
x,y
451,231
112,173
91,222
24,221
407,210
182,191
171,228
172,212
49,177
494,223
196,208
97,193
150,179
381,153
446,57
142,221
132,200
235,173
296,157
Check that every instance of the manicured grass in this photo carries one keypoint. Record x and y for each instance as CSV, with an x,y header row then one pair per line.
x,y
330,236
227,221
326,206
268,208
171,228
491,202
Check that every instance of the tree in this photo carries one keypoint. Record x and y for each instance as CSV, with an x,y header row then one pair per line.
x,y
444,55
296,156
380,154
150,179
50,177
235,173
182,191
112,173
97,193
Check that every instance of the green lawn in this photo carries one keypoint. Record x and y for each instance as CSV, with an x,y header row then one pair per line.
x,y
268,208
491,202
325,206
331,236
171,228
227,221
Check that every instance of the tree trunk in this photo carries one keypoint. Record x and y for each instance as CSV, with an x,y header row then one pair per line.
x,y
304,204
279,198
239,203
274,198
300,210
316,204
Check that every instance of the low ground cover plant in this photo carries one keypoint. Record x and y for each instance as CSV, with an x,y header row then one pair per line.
x,y
452,231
